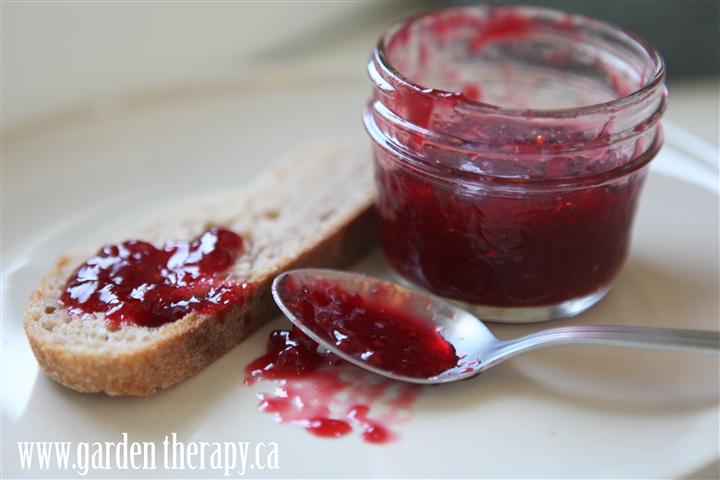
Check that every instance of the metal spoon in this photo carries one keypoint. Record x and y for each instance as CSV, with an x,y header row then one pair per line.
x,y
477,347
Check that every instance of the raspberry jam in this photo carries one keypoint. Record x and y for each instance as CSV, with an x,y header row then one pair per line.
x,y
511,145
505,250
290,353
136,283
315,390
375,329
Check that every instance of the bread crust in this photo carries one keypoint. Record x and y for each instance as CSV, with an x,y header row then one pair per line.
x,y
195,341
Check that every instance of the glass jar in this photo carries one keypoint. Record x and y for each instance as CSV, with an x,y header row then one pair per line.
x,y
511,144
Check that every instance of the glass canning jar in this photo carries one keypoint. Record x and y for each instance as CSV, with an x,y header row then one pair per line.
x,y
511,144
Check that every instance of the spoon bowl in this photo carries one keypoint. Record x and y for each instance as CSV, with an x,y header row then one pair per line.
x,y
475,345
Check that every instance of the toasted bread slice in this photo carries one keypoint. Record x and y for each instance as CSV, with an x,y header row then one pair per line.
x,y
315,208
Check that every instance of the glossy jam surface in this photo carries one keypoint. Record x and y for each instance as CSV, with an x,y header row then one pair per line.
x,y
290,353
316,391
507,250
373,328
136,283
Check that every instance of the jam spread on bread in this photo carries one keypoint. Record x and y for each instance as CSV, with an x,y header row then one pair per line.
x,y
135,283
326,396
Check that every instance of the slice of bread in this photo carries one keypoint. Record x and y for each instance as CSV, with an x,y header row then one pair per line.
x,y
315,209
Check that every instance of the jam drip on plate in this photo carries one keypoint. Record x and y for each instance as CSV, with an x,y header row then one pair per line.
x,y
324,395
134,282
376,328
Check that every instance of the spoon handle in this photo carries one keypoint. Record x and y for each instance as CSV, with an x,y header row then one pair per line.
x,y
697,341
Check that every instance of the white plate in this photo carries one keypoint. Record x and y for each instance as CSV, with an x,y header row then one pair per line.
x,y
571,412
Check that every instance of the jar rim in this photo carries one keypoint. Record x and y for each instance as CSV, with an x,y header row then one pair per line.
x,y
655,81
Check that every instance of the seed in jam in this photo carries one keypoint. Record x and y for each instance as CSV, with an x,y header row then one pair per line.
x,y
136,283
371,329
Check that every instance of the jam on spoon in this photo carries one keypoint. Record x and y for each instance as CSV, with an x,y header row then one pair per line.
x,y
378,329
309,379
473,343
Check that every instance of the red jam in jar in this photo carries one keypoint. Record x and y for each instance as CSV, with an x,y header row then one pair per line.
x,y
511,145
134,282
